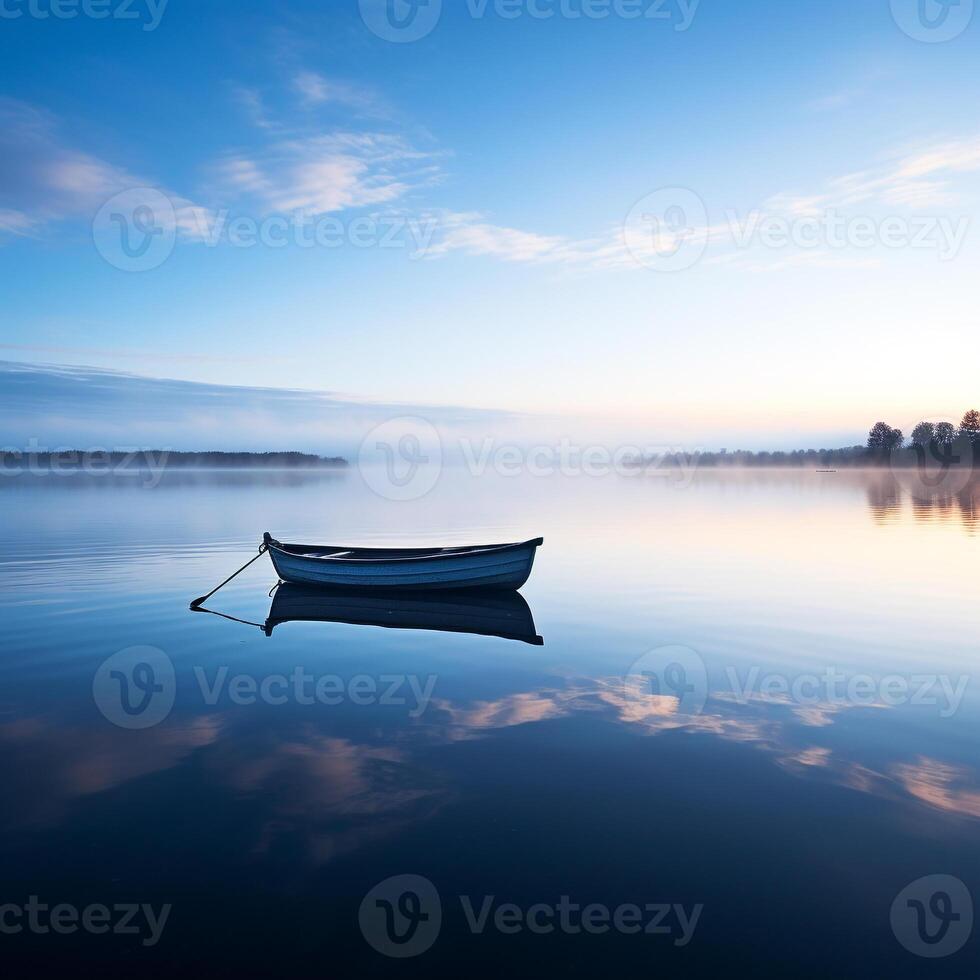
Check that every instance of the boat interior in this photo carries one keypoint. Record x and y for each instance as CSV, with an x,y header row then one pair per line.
x,y
389,554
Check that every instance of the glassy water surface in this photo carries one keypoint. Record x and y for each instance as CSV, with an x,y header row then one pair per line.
x,y
754,721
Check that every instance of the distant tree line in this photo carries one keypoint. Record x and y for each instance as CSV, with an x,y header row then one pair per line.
x,y
253,459
802,458
104,460
930,443
929,440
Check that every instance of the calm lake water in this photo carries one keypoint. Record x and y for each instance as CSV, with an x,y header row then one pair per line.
x,y
752,726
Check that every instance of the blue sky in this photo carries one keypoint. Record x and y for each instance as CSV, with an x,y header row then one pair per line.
x,y
503,157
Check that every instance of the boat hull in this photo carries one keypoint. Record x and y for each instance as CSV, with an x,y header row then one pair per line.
x,y
485,567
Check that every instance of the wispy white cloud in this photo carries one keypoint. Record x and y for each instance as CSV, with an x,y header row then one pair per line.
x,y
315,89
312,87
251,101
921,179
468,232
472,234
43,180
905,184
40,178
833,100
327,174
16,222
295,166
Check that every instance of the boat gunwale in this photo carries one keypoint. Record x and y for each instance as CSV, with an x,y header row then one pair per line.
x,y
423,553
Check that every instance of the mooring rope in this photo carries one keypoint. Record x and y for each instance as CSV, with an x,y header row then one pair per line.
x,y
234,619
197,603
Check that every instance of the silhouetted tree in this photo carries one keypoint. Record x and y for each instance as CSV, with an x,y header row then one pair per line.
x,y
923,434
878,436
883,438
945,434
970,426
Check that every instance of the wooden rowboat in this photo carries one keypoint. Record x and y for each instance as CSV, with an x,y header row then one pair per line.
x,y
498,613
498,566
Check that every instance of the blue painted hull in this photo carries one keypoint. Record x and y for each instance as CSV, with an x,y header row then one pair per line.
x,y
419,569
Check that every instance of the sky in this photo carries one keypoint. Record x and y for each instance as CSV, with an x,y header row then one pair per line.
x,y
709,224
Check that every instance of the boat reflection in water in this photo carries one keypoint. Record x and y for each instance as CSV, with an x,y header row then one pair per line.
x,y
503,614
492,613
